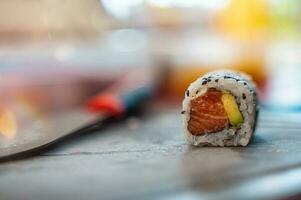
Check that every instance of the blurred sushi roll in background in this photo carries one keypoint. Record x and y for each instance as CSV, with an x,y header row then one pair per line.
x,y
220,109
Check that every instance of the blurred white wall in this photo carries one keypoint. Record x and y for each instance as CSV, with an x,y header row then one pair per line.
x,y
50,18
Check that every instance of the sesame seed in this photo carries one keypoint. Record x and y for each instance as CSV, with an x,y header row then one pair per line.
x,y
244,96
187,93
216,80
204,82
183,112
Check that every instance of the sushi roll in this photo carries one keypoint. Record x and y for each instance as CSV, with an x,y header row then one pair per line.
x,y
220,109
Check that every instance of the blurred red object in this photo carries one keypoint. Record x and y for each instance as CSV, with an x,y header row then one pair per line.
x,y
106,102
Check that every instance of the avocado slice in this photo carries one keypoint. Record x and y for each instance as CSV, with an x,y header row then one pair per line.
x,y
231,108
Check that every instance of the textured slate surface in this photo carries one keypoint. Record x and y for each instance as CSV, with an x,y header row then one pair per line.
x,y
148,158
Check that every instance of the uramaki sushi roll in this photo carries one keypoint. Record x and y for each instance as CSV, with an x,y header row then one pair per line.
x,y
220,109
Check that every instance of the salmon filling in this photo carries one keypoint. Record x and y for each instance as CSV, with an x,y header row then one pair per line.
x,y
207,113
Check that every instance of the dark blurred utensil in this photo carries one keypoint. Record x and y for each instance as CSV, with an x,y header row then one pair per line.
x,y
111,105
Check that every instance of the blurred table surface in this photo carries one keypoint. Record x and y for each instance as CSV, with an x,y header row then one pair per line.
x,y
148,158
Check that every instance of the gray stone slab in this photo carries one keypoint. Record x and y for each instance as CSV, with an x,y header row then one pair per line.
x,y
148,158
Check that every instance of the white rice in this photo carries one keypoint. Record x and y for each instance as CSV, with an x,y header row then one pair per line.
x,y
237,84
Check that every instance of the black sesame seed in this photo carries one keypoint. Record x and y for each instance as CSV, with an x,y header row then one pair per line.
x,y
244,96
208,80
204,82
216,80
245,83
197,92
187,93
183,112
